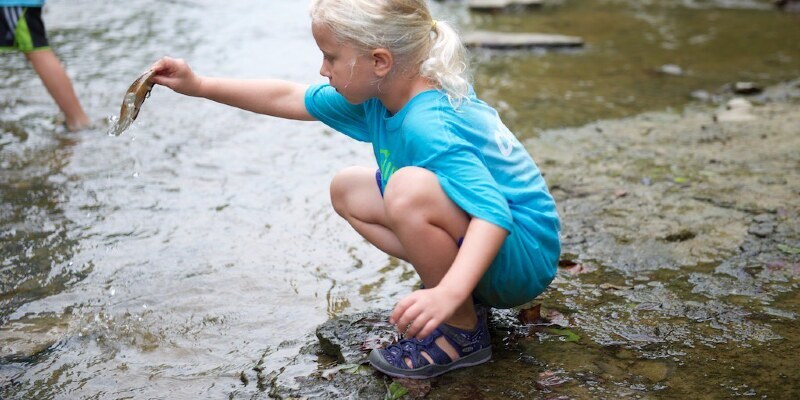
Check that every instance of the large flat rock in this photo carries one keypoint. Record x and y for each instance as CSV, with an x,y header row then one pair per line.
x,y
682,238
505,40
497,5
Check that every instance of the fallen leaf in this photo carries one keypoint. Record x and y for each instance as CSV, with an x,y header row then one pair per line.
x,y
566,334
329,373
580,269
556,318
548,380
789,249
415,388
379,341
531,315
611,286
564,263
396,391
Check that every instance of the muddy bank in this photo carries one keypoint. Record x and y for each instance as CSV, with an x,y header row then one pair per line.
x,y
679,274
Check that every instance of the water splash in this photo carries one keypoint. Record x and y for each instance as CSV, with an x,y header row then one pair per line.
x,y
118,125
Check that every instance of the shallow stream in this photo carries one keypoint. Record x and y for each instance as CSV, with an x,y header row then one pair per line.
x,y
165,262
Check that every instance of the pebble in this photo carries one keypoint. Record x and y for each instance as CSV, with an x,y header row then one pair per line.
x,y
671,69
746,88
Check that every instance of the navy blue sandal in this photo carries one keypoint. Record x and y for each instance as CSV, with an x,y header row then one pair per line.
x,y
473,348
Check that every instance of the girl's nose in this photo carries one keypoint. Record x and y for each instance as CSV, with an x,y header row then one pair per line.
x,y
324,71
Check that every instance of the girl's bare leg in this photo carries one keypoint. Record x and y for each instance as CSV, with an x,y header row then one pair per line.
x,y
355,196
428,225
414,221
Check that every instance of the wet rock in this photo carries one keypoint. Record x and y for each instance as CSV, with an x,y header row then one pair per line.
x,y
498,5
737,110
671,69
350,338
654,371
788,5
761,230
665,224
296,380
347,340
701,95
746,88
507,41
697,271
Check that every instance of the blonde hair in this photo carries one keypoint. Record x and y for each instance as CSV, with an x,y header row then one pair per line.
x,y
407,30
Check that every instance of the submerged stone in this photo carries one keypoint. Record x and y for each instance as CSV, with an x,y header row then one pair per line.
x,y
497,5
504,40
24,339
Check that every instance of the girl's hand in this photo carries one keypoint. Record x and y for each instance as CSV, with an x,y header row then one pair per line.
x,y
176,75
419,313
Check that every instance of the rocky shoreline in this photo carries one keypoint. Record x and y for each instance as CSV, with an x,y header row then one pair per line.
x,y
681,258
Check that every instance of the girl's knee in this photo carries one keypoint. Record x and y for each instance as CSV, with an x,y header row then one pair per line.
x,y
408,190
342,184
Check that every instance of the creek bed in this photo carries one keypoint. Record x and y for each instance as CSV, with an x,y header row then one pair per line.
x,y
174,259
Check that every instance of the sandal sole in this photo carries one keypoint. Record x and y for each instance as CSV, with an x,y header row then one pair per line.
x,y
429,371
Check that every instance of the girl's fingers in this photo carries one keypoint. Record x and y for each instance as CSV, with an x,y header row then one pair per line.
x,y
399,309
429,327
404,322
417,325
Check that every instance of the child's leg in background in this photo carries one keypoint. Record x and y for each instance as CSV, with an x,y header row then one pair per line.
x,y
22,28
57,82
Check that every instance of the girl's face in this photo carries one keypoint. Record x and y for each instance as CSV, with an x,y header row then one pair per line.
x,y
349,72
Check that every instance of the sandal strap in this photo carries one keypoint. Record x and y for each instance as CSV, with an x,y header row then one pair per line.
x,y
412,349
435,352
463,341
466,342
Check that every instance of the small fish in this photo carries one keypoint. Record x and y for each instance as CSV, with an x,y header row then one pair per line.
x,y
132,103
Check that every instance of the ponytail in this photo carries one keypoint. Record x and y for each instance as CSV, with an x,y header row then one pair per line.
x,y
447,63
407,30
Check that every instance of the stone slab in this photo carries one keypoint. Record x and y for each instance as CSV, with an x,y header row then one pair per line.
x,y
505,40
496,5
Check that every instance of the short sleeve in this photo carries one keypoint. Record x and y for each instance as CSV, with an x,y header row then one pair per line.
x,y
461,170
325,104
468,182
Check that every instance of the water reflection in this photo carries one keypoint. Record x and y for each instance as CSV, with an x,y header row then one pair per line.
x,y
37,241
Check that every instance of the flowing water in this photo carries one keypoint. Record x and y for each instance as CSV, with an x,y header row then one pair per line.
x,y
164,262
118,125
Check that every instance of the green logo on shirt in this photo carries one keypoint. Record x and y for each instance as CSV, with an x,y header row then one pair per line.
x,y
385,164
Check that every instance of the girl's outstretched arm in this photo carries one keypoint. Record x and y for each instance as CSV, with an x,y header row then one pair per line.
x,y
273,97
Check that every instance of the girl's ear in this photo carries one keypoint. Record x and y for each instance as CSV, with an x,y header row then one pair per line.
x,y
382,62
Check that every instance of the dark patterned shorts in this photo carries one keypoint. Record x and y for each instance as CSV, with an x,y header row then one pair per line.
x,y
21,28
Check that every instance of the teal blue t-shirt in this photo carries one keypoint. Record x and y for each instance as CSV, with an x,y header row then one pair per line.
x,y
22,3
481,166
